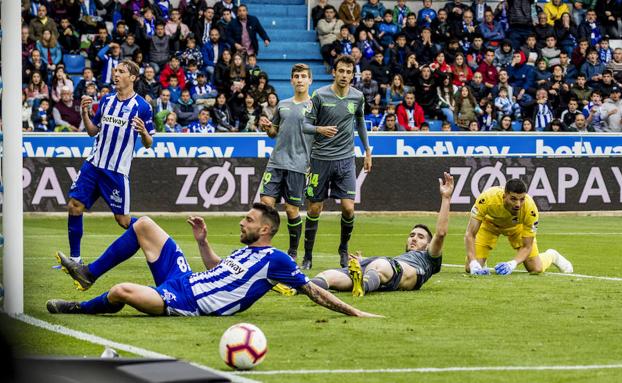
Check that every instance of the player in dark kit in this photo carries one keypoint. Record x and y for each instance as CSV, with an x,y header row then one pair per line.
x,y
332,158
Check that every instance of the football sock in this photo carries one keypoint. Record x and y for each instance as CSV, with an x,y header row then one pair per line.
x,y
547,259
100,305
294,226
75,230
347,225
371,280
120,250
310,231
320,282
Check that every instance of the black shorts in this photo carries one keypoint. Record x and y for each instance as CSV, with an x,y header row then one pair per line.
x,y
283,183
338,176
393,283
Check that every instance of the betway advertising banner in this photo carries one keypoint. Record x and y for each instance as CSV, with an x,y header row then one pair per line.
x,y
395,184
256,145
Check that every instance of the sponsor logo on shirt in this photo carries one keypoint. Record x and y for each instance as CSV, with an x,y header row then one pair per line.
x,y
115,121
234,266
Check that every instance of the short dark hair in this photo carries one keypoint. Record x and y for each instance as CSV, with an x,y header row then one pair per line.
x,y
515,185
269,214
424,227
300,67
346,59
132,67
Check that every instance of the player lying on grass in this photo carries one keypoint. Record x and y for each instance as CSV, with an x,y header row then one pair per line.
x,y
409,271
508,211
228,286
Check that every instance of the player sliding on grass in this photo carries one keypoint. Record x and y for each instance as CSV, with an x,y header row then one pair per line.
x,y
228,286
512,212
408,271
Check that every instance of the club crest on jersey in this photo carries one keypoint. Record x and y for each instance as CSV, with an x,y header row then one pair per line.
x,y
116,197
168,296
351,107
125,109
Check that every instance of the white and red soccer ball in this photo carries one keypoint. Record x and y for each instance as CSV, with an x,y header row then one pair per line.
x,y
243,346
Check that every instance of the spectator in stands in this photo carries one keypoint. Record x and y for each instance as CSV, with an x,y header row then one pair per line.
x,y
350,13
28,44
174,88
270,108
400,13
387,30
398,55
390,124
580,125
554,10
543,113
425,49
191,54
27,125
591,29
173,69
550,52
222,115
426,92
129,46
317,12
467,108
555,126
237,73
542,29
455,10
171,125
175,27
410,115
360,63
110,57
505,124
374,8
491,30
42,116
262,89
579,54
465,29
139,60
51,53
475,55
395,93
221,72
192,74
202,91
410,29
36,89
613,108
488,69
410,71
530,50
503,55
504,82
147,24
519,20
374,119
202,124
566,33
328,30
569,70
222,6
479,9
204,26
380,72
479,91
87,78
160,46
368,25
34,63
212,52
369,88
606,84
223,23
101,39
439,66
527,125
243,30
367,47
506,106
605,53
148,86
446,91
253,70
60,80
542,73
597,115
426,15
615,65
558,89
487,120
119,33
343,45
186,109
442,29
593,68
249,116
609,13
581,91
580,7
462,74
568,115
66,112
42,23
68,39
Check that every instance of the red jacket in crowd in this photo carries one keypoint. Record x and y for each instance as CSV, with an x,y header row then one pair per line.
x,y
403,120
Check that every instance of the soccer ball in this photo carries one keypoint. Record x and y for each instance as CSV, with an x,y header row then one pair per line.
x,y
243,346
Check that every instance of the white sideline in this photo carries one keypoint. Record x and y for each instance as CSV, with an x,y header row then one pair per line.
x,y
434,369
557,274
116,345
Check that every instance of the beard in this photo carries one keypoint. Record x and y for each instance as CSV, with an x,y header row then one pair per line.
x,y
248,238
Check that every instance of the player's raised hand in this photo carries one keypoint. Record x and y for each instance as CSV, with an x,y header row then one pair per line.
x,y
327,131
199,228
85,104
139,125
505,268
446,185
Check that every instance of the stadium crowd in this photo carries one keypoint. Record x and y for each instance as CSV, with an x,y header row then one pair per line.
x,y
545,66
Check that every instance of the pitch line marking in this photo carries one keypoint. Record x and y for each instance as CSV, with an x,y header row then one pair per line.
x,y
116,345
434,369
556,274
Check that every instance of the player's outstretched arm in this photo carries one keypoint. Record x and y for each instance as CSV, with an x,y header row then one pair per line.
x,y
469,242
85,106
446,189
506,268
199,230
328,300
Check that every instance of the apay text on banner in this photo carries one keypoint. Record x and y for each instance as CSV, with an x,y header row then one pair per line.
x,y
255,145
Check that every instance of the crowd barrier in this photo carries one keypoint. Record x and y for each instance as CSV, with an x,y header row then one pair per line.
x,y
395,184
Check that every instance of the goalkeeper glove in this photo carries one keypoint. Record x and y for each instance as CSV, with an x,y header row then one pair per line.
x,y
477,269
505,268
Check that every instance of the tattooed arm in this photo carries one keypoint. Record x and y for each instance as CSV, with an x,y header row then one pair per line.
x,y
328,300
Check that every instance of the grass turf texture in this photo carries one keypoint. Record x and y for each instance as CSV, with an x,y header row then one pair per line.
x,y
455,320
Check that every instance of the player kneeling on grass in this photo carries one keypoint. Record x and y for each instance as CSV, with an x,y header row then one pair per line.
x,y
409,271
512,212
228,286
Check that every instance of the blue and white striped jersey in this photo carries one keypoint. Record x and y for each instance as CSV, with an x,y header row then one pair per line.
x,y
241,279
113,148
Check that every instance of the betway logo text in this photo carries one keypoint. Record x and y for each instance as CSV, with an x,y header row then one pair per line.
x,y
447,148
578,148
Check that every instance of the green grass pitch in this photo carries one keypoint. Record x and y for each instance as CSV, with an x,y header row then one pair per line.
x,y
454,321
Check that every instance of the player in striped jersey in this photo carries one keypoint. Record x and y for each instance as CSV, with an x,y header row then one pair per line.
x,y
121,118
228,286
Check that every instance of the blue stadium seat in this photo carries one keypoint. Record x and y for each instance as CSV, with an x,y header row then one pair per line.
x,y
75,78
74,64
516,126
435,125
